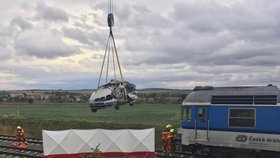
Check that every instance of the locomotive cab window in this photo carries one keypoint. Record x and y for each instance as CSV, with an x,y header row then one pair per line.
x,y
186,114
242,118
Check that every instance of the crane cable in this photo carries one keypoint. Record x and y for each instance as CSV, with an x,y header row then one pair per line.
x,y
110,20
100,75
114,65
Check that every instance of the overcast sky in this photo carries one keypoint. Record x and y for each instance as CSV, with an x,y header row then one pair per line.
x,y
161,43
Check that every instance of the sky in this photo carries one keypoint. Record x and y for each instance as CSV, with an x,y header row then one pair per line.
x,y
161,43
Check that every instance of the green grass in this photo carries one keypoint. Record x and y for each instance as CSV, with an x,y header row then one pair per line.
x,y
35,117
140,113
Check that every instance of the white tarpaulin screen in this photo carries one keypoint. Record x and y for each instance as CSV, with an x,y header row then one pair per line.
x,y
73,143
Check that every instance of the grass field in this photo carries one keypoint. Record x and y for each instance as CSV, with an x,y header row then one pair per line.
x,y
35,117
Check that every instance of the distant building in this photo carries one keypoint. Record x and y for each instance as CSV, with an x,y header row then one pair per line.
x,y
17,94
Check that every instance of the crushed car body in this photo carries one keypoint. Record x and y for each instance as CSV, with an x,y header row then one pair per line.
x,y
113,94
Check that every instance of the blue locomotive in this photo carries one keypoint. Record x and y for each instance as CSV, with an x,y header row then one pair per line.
x,y
234,122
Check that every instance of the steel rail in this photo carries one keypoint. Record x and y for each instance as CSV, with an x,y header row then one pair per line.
x,y
29,140
161,153
29,153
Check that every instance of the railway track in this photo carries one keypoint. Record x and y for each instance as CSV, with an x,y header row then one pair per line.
x,y
34,150
12,152
33,141
161,154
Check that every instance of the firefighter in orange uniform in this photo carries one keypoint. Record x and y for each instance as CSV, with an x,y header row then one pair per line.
x,y
20,135
171,142
164,136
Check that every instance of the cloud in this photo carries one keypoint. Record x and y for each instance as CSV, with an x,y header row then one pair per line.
x,y
174,44
4,53
50,13
208,33
7,34
21,22
93,38
43,44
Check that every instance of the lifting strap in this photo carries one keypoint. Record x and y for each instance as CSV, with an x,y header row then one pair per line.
x,y
111,47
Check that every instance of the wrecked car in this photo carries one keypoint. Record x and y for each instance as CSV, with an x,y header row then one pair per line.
x,y
113,94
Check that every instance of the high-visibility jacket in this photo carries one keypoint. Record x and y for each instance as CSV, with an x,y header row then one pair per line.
x,y
20,133
165,136
171,138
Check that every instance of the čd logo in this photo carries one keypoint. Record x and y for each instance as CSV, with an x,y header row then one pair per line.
x,y
241,138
